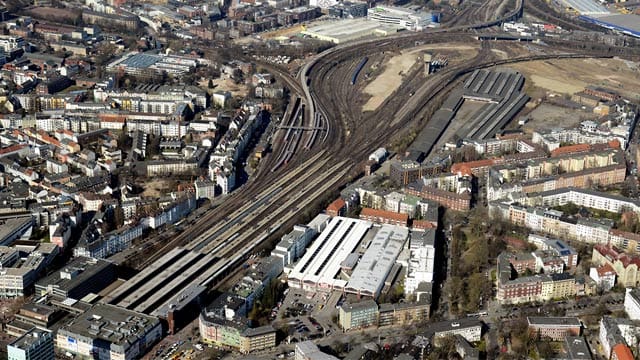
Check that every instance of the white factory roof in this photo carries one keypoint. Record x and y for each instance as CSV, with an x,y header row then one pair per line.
x,y
344,30
586,7
321,262
374,266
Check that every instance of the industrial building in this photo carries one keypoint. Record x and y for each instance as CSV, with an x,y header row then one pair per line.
x,y
340,244
13,228
319,266
78,278
500,90
109,332
375,265
342,31
586,7
628,24
140,63
402,18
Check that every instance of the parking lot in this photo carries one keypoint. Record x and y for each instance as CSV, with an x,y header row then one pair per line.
x,y
308,315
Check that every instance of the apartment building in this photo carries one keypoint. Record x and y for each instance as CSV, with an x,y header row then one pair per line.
x,y
554,328
632,303
626,266
358,315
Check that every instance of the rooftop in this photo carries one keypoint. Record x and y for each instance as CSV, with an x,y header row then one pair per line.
x,y
553,321
78,271
30,338
112,324
374,266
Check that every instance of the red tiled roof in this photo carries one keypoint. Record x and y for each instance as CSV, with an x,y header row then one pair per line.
x,y
12,148
337,205
369,212
467,167
571,149
625,234
622,352
423,224
605,269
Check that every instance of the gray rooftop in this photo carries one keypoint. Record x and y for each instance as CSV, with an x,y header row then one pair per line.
x,y
79,270
112,324
8,227
553,321
31,338
577,348
374,266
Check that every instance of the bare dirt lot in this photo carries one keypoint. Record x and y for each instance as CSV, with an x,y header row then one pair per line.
x,y
548,116
568,76
399,65
51,13
158,187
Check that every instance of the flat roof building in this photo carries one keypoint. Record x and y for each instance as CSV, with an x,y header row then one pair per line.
x,y
374,266
421,259
34,345
554,328
342,31
307,350
109,332
78,278
320,264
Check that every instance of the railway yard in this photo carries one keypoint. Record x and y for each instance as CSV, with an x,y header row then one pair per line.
x,y
325,121
344,103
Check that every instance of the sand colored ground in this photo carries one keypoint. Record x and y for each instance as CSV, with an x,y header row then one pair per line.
x,y
226,84
396,68
569,76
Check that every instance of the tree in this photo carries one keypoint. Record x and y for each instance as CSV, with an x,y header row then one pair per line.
x,y
210,84
118,216
475,291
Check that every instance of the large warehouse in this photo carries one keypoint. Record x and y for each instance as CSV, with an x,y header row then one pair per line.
x,y
370,250
321,263
342,31
376,263
628,24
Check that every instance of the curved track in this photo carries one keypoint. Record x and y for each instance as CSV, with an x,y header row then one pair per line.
x,y
271,199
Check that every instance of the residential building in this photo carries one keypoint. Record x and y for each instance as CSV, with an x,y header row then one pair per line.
x,y
421,260
109,332
358,315
617,331
604,276
451,190
404,313
558,247
336,208
223,326
632,303
621,352
384,217
36,344
307,350
470,329
554,328
626,266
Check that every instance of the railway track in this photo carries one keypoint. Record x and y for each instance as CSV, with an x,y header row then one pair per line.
x,y
250,216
